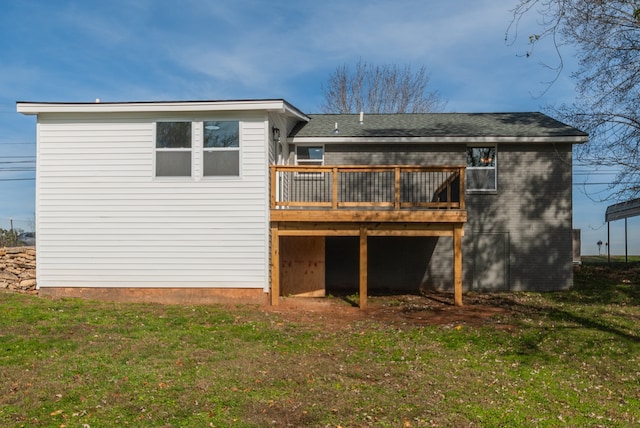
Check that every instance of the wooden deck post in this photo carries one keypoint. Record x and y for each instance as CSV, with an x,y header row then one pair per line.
x,y
363,267
396,189
275,265
457,264
273,183
461,190
334,188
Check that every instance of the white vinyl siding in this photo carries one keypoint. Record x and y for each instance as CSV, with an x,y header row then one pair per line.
x,y
104,220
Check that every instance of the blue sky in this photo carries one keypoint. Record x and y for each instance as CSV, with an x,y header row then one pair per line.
x,y
132,50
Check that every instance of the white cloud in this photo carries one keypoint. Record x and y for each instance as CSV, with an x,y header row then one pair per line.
x,y
254,53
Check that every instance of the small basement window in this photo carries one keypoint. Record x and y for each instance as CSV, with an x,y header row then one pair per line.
x,y
481,169
173,149
221,148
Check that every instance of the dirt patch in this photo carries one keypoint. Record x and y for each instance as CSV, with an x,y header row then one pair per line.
x,y
427,309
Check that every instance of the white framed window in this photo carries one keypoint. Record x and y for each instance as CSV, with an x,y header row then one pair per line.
x,y
221,148
309,156
173,149
481,169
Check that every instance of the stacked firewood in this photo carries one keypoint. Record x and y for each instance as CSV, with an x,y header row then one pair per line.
x,y
18,269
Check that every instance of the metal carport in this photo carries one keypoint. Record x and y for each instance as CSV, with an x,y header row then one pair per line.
x,y
622,210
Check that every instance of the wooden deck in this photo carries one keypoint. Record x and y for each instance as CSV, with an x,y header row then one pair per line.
x,y
362,201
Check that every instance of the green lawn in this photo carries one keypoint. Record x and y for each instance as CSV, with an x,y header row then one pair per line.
x,y
614,259
557,359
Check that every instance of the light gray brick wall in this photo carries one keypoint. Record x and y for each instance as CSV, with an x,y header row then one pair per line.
x,y
518,238
408,154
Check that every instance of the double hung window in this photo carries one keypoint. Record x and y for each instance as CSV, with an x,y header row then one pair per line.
x,y
173,149
481,169
221,148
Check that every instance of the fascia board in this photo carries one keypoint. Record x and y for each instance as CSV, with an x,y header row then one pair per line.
x,y
152,107
291,110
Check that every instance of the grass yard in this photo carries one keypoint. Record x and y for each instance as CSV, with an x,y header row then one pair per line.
x,y
591,260
514,359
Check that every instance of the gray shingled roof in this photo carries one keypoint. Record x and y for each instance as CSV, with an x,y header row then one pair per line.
x,y
465,125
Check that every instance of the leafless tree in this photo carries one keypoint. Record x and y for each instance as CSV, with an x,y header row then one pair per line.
x,y
606,36
380,89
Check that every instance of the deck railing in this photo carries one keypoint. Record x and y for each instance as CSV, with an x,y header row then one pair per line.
x,y
388,187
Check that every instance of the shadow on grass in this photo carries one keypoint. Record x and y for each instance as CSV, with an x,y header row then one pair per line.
x,y
605,284
353,299
597,290
604,299
529,342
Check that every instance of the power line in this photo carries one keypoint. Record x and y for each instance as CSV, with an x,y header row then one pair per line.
x,y
574,184
17,179
14,162
594,173
603,184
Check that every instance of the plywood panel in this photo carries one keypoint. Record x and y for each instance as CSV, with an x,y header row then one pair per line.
x,y
302,266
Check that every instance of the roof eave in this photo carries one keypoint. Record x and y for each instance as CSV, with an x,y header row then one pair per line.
x,y
291,110
570,139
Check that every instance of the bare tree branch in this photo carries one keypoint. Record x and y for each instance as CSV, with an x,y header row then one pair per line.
x,y
380,89
606,34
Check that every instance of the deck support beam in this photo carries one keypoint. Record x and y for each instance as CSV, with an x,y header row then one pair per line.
x,y
363,268
275,265
457,265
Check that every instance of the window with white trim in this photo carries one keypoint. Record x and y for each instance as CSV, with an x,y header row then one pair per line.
x,y
221,148
481,169
173,149
309,156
